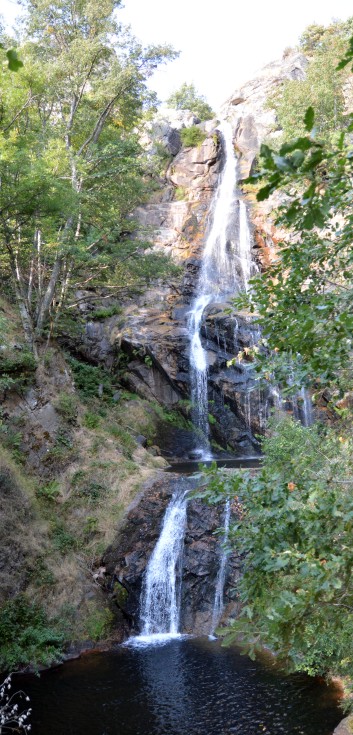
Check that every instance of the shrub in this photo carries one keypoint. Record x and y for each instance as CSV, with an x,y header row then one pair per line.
x,y
66,406
193,136
49,491
62,539
26,635
91,381
91,420
106,311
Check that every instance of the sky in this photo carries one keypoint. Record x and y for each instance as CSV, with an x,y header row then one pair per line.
x,y
222,43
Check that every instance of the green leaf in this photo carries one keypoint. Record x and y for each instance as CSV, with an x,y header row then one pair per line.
x,y
309,118
302,144
14,63
265,192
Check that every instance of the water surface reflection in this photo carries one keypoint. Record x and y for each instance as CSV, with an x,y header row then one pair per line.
x,y
185,687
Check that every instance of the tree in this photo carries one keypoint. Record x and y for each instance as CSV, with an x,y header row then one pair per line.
x,y
187,98
304,300
73,159
294,529
322,88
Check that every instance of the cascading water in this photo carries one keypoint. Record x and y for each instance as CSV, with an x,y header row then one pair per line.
x,y
218,599
246,263
160,598
225,270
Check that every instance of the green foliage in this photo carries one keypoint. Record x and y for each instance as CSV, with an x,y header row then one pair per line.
x,y
107,311
51,491
187,98
90,527
27,636
91,381
69,183
13,62
91,420
87,487
66,405
322,87
124,439
180,193
295,530
173,417
98,623
62,539
11,439
192,136
304,300
16,368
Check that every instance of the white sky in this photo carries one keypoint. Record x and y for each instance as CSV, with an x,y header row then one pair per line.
x,y
222,42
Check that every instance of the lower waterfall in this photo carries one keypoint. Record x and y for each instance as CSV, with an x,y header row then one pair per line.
x,y
160,598
218,600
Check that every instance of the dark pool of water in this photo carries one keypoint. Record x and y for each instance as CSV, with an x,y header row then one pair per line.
x,y
186,687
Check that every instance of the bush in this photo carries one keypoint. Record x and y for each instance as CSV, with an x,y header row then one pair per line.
x,y
91,381
66,406
104,312
50,491
192,137
27,636
295,529
62,539
91,420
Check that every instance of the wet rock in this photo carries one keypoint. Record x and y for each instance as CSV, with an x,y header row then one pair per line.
x,y
127,558
142,440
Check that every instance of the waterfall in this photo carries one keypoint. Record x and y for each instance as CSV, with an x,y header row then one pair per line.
x,y
218,278
218,599
244,246
160,597
303,407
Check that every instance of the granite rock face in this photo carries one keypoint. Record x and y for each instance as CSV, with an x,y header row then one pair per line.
x,y
247,107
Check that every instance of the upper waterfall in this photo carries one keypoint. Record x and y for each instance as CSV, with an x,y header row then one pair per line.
x,y
225,270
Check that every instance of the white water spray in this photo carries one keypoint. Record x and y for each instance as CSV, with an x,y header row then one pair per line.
x,y
160,597
221,576
219,277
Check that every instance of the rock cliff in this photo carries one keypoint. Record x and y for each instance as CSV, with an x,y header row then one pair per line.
x,y
153,333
